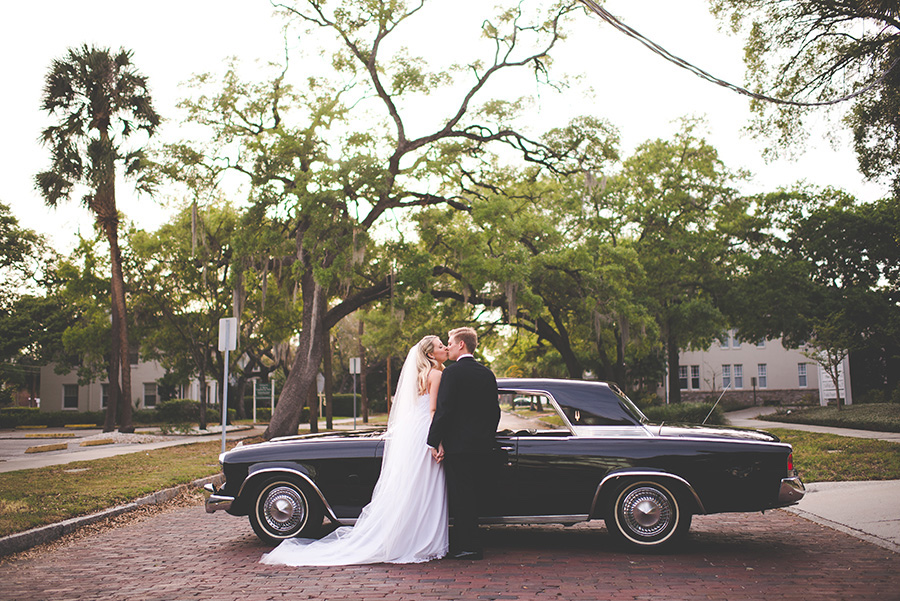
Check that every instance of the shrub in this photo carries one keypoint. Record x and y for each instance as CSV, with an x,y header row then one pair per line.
x,y
183,411
873,396
685,413
12,417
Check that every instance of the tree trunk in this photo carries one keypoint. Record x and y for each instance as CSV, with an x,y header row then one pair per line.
x,y
619,370
329,385
313,409
672,360
112,371
559,338
390,399
362,375
117,282
286,419
201,378
239,397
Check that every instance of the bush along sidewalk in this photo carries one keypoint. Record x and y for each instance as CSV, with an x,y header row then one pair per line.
x,y
881,417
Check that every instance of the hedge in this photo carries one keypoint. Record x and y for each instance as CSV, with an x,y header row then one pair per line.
x,y
685,413
177,411
12,417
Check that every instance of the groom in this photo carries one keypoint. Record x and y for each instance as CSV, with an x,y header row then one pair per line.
x,y
462,436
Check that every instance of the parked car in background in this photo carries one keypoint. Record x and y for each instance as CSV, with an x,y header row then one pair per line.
x,y
607,462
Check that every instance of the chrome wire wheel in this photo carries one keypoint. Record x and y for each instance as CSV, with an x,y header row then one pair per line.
x,y
283,508
647,511
647,515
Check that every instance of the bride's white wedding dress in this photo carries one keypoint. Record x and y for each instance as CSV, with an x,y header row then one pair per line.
x,y
406,521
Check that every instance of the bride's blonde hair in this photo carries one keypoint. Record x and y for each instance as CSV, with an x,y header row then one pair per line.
x,y
425,362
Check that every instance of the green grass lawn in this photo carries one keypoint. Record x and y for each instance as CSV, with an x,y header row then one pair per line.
x,y
36,497
832,458
881,417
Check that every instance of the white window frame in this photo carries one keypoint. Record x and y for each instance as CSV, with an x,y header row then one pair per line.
x,y
68,396
762,378
738,374
802,375
726,376
154,395
695,377
683,380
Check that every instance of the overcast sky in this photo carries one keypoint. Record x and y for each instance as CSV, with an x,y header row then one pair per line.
x,y
637,91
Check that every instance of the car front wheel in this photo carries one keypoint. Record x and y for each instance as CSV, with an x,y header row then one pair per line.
x,y
285,508
647,515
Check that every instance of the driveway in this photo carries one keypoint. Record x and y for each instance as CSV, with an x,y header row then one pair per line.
x,y
186,554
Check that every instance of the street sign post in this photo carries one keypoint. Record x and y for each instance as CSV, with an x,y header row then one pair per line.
x,y
227,342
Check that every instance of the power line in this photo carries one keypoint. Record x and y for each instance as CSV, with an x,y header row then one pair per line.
x,y
656,48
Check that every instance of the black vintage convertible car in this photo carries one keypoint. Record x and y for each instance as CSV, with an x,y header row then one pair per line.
x,y
606,462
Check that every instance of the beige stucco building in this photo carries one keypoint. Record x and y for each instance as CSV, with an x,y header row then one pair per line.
x,y
63,393
766,372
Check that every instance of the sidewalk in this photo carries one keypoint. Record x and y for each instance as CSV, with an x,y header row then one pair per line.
x,y
866,510
13,444
745,418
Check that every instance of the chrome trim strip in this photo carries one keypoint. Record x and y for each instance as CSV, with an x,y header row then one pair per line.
x,y
791,491
309,481
518,519
645,474
536,519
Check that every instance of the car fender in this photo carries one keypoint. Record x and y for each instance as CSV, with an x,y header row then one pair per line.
x,y
609,483
263,470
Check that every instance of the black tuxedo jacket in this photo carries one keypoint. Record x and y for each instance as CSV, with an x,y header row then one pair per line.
x,y
468,409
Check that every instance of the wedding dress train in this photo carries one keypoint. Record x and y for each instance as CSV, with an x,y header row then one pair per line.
x,y
407,520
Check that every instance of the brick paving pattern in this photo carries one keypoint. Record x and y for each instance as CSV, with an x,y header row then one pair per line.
x,y
186,554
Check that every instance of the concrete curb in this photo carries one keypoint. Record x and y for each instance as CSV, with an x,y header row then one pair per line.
x,y
854,532
21,541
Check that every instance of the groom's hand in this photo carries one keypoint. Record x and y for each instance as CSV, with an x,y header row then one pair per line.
x,y
438,453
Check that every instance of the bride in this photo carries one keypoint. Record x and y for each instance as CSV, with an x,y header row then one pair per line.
x,y
406,521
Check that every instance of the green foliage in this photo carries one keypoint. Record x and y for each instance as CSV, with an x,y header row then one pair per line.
x,y
827,275
882,417
96,95
12,417
818,50
180,411
685,413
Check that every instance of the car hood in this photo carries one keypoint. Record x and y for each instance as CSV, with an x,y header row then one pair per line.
x,y
689,431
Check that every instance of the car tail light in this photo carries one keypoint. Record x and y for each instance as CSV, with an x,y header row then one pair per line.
x,y
790,463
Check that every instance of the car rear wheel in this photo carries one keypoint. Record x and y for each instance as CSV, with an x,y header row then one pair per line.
x,y
647,515
284,508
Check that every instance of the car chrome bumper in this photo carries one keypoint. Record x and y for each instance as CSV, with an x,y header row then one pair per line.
x,y
215,502
791,491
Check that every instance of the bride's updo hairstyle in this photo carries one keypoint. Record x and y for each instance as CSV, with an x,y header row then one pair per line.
x,y
425,362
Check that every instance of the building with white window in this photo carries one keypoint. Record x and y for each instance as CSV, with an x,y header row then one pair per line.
x,y
62,392
760,372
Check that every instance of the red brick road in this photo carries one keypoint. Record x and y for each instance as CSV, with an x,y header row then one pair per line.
x,y
185,554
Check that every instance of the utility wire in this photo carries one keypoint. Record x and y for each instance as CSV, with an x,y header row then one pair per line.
x,y
656,48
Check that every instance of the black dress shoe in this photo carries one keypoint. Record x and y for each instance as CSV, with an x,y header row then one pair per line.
x,y
466,555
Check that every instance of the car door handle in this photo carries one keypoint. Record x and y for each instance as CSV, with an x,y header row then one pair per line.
x,y
507,449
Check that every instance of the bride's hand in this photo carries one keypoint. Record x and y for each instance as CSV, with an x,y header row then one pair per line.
x,y
438,453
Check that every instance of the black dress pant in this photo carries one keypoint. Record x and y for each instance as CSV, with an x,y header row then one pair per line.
x,y
465,489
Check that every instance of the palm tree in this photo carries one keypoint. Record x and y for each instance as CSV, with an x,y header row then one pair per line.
x,y
99,101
